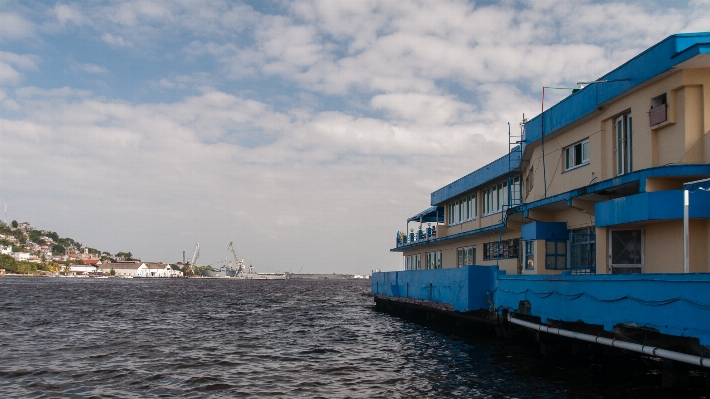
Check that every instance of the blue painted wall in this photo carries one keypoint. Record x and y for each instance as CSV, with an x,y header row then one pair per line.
x,y
657,205
676,304
465,288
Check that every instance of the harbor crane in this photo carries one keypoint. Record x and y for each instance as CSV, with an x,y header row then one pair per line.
x,y
195,255
238,265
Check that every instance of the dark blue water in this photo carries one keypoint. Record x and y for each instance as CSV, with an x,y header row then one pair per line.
x,y
62,337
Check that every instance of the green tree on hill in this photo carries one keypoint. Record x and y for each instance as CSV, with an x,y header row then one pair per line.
x,y
125,255
14,224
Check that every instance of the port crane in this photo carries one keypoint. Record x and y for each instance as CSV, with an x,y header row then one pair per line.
x,y
195,255
239,266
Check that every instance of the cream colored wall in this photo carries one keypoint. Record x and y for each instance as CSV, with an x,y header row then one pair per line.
x,y
663,247
682,139
449,252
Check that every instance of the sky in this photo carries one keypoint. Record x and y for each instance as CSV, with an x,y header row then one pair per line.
x,y
306,132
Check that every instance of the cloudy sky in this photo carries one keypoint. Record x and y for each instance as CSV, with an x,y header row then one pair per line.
x,y
306,132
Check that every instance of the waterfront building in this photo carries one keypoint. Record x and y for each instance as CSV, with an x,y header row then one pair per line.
x,y
595,225
594,185
124,268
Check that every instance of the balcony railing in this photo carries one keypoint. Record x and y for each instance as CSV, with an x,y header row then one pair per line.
x,y
415,237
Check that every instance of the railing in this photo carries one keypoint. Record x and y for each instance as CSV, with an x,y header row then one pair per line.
x,y
416,237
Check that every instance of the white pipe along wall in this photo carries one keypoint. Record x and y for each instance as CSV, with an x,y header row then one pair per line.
x,y
648,350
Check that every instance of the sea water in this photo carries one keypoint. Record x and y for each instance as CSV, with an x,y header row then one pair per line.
x,y
73,337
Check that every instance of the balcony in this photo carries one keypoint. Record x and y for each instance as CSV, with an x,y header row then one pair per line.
x,y
414,237
433,217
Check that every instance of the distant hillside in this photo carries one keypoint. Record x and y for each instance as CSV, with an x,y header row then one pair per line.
x,y
25,249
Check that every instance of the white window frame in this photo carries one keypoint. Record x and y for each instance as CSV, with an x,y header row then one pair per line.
x,y
463,210
496,195
466,253
623,127
571,155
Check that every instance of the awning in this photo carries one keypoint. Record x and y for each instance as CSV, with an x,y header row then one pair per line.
x,y
433,214
698,185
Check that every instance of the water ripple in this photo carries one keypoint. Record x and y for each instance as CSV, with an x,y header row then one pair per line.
x,y
221,338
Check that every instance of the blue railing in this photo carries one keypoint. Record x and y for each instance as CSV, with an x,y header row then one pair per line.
x,y
420,235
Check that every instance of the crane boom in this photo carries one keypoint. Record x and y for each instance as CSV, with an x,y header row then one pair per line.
x,y
237,264
195,255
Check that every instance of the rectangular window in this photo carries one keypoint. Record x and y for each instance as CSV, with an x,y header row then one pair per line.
x,y
659,110
556,255
577,155
466,256
624,144
529,255
583,251
516,191
413,262
501,195
433,260
508,249
626,251
462,210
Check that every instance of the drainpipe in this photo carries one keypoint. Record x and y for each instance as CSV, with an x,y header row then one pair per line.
x,y
647,350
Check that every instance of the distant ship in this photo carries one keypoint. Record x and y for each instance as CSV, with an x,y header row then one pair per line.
x,y
252,275
240,273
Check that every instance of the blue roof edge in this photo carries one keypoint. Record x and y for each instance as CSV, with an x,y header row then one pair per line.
x,y
661,57
498,168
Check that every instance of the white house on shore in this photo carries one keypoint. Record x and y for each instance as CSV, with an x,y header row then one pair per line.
x,y
140,269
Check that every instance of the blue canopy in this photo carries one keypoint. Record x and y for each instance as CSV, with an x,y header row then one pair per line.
x,y
433,214
698,185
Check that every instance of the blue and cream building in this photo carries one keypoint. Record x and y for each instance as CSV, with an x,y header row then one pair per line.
x,y
592,185
599,214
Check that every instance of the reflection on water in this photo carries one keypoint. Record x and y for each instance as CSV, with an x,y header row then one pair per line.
x,y
209,337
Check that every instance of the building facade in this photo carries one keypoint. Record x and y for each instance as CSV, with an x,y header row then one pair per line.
x,y
596,184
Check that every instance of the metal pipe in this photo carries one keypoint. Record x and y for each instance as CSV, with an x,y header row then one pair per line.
x,y
648,350
542,141
686,243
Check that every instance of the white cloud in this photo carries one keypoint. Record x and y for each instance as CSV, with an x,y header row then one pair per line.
x,y
66,13
11,63
115,40
91,68
14,26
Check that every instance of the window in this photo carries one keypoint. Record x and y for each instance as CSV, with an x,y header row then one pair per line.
x,y
433,260
659,110
556,255
462,210
497,195
626,251
624,144
508,249
413,262
516,191
466,256
529,255
583,251
577,155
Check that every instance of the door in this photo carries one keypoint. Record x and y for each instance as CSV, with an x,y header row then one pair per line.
x,y
626,251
